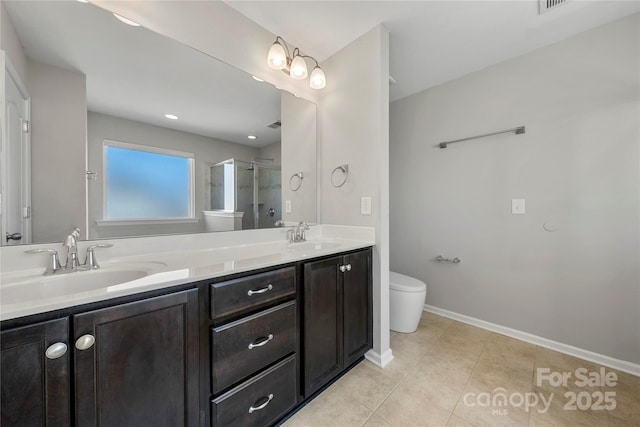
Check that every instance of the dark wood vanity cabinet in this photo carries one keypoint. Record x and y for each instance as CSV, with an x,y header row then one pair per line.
x,y
337,316
254,348
134,364
242,350
36,388
142,369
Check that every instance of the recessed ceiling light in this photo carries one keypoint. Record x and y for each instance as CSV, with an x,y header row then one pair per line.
x,y
171,116
83,1
257,79
126,21
252,137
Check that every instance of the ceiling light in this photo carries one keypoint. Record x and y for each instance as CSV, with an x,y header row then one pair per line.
x,y
294,64
83,1
258,79
126,21
171,116
252,137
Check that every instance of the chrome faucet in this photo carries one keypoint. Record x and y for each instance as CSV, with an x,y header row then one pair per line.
x,y
73,264
296,234
71,243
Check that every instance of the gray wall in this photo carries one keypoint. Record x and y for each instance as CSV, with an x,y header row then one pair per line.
x,y
299,132
577,167
207,151
58,132
354,117
10,43
58,150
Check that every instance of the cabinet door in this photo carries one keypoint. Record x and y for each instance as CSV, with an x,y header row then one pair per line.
x,y
142,369
35,388
323,352
358,319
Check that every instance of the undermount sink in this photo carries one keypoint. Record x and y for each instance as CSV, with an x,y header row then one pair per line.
x,y
57,285
318,245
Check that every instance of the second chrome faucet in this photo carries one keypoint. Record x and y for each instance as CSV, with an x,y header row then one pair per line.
x,y
296,234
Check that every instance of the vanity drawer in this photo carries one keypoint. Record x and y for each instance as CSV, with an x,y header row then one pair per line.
x,y
238,295
243,347
260,401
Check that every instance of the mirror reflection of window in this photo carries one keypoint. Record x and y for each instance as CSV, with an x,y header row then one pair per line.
x,y
146,182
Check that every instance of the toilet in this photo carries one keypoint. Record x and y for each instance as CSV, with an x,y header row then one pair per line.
x,y
407,296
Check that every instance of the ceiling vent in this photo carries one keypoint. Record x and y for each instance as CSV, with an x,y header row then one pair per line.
x,y
547,5
274,125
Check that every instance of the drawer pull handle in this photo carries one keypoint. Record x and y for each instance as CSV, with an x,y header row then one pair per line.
x,y
261,291
263,341
252,409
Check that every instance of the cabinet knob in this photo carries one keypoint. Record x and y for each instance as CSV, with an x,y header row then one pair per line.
x,y
56,350
85,342
252,409
346,267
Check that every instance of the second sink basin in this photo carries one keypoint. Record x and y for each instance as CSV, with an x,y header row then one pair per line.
x,y
311,246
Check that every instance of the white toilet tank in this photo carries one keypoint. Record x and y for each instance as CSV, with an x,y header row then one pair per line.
x,y
407,296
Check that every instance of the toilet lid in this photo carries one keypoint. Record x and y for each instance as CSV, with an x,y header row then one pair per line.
x,y
400,282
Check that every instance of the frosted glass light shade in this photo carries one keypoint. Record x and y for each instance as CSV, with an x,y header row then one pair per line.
x,y
317,79
277,58
298,69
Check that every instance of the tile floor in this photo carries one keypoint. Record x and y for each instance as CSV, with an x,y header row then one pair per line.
x,y
446,374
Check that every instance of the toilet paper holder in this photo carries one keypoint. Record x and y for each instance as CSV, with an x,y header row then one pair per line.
x,y
440,258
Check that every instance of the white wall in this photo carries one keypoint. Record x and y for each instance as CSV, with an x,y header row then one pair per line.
x,y
354,117
207,152
299,131
10,43
58,135
577,166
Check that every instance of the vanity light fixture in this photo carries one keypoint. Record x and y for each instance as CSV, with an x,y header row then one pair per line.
x,y
126,20
171,116
294,64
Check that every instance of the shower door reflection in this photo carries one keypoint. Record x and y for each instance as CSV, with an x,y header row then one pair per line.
x,y
250,191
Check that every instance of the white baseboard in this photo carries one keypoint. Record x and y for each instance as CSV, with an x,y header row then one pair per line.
x,y
380,360
601,359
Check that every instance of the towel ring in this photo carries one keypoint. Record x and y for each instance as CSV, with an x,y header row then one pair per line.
x,y
293,181
345,172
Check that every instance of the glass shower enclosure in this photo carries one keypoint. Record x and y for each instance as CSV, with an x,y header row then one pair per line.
x,y
249,192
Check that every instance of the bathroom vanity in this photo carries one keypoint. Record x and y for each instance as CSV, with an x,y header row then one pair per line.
x,y
239,348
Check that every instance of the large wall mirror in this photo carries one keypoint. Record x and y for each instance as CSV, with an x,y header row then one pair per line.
x,y
124,132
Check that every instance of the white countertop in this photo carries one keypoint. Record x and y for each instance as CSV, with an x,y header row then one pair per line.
x,y
24,291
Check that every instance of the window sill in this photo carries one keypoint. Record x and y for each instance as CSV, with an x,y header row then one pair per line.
x,y
145,221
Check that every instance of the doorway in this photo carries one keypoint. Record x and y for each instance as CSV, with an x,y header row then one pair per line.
x,y
15,161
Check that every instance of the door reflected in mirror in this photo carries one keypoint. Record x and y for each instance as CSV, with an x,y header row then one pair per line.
x,y
91,81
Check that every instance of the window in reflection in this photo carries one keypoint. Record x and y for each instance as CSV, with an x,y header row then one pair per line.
x,y
144,182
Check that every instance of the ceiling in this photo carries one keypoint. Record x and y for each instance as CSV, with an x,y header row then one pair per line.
x,y
128,75
431,42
